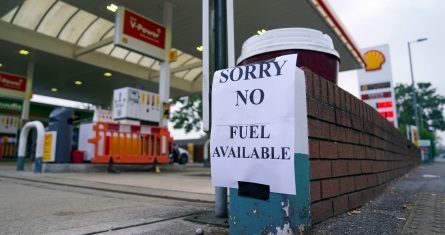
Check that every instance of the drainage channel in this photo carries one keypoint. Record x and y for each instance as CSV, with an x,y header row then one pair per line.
x,y
142,224
110,190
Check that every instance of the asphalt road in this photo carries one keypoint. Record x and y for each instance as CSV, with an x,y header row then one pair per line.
x,y
41,208
136,203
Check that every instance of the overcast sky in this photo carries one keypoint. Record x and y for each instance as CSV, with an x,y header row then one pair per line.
x,y
395,22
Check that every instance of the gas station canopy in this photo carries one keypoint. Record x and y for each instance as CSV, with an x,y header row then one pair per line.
x,y
71,40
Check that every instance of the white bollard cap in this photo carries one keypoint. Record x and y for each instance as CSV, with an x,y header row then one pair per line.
x,y
287,39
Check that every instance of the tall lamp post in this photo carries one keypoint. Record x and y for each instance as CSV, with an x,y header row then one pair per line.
x,y
413,86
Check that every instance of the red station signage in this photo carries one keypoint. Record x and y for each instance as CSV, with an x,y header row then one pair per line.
x,y
386,94
12,82
140,34
384,104
389,114
144,29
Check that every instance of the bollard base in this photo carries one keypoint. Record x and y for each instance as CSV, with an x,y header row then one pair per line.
x,y
20,163
209,218
221,202
206,163
38,165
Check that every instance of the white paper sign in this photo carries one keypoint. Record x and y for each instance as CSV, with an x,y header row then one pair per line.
x,y
253,124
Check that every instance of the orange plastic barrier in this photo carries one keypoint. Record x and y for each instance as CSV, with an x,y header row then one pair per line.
x,y
135,144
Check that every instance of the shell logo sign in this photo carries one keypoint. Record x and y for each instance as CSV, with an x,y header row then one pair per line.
x,y
375,82
374,60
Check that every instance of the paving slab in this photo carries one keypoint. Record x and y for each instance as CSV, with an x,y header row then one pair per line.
x,y
427,215
414,200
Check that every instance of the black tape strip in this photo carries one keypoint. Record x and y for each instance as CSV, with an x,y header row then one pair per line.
x,y
254,190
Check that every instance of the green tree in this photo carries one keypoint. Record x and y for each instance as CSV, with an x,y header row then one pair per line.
x,y
189,114
429,104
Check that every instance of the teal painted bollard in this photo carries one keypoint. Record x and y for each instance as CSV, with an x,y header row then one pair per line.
x,y
38,165
281,213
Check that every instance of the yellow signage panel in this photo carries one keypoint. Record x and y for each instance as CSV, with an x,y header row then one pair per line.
x,y
166,111
190,148
173,55
415,135
49,146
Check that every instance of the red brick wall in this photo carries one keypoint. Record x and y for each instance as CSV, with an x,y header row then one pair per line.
x,y
353,151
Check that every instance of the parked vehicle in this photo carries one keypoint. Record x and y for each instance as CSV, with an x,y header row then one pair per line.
x,y
440,158
179,155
